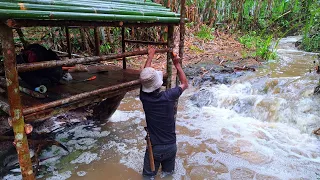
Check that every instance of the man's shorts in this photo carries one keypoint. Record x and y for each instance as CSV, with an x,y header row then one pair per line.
x,y
164,155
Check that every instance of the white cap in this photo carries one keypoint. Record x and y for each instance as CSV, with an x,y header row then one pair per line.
x,y
151,79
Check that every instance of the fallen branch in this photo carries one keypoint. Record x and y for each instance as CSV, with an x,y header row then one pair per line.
x,y
75,55
244,68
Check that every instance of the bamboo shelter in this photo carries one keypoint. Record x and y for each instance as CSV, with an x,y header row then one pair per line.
x,y
72,14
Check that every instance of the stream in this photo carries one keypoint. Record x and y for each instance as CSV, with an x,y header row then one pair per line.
x,y
258,126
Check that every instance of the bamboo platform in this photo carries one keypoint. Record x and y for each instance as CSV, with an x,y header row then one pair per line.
x,y
110,81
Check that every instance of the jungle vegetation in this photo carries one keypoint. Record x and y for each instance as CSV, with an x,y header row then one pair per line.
x,y
257,23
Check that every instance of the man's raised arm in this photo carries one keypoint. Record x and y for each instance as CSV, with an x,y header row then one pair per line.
x,y
151,52
182,76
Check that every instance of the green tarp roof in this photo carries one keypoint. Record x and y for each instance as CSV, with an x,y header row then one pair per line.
x,y
87,10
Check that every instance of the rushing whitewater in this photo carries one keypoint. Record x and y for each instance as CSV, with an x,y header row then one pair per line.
x,y
257,127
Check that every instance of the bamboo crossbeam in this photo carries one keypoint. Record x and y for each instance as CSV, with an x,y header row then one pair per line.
x,y
55,63
80,96
95,10
146,42
40,115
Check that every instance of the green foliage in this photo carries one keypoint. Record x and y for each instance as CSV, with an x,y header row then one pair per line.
x,y
312,43
260,44
105,48
196,49
205,33
190,25
311,38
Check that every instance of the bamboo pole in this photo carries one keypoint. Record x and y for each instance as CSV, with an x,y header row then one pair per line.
x,y
98,9
54,15
80,96
75,24
97,41
20,141
124,62
56,63
169,55
182,29
104,5
68,42
181,46
146,42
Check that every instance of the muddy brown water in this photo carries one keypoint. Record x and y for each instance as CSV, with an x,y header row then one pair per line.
x,y
257,127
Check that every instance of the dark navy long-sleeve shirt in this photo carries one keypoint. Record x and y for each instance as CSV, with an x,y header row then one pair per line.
x,y
159,110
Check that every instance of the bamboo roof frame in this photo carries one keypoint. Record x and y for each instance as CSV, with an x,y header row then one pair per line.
x,y
114,13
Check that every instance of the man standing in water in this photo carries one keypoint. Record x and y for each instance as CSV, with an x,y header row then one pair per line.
x,y
159,109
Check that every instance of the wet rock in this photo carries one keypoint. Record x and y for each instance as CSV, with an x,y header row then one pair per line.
x,y
184,149
86,158
202,98
299,152
220,167
227,133
271,85
254,157
242,174
266,177
185,131
203,172
210,73
224,146
261,135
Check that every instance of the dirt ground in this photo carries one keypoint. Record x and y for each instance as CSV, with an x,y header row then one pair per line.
x,y
222,50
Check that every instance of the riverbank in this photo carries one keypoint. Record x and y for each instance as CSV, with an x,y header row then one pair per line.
x,y
223,50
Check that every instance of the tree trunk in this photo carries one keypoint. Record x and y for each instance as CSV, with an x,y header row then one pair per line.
x,y
84,41
257,13
240,13
103,34
213,12
269,9
205,12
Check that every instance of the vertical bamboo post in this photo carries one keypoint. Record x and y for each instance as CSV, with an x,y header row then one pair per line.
x,y
68,42
182,33
97,41
124,62
20,138
169,55
181,45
